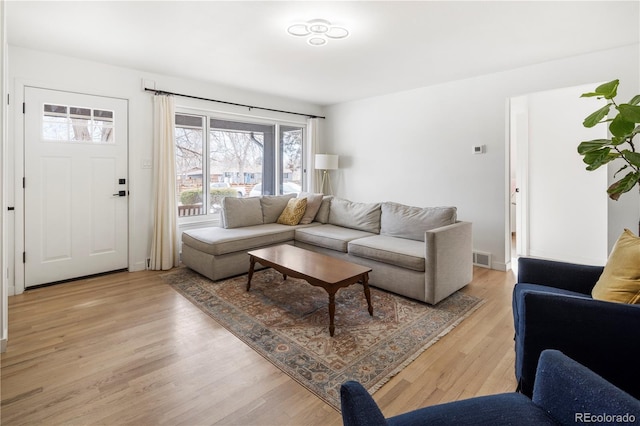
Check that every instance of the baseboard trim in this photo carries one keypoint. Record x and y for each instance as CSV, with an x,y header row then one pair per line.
x,y
501,266
3,345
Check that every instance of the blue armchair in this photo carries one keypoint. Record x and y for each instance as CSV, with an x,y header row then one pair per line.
x,y
553,309
565,392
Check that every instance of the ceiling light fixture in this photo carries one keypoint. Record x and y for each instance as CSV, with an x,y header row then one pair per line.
x,y
318,31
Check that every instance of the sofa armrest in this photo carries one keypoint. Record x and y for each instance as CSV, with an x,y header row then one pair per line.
x,y
569,392
602,336
567,276
448,260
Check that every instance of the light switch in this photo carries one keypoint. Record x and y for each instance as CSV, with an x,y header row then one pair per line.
x,y
479,149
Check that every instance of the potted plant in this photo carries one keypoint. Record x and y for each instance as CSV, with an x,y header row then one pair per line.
x,y
623,129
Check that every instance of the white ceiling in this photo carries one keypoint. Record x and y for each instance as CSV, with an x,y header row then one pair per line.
x,y
393,45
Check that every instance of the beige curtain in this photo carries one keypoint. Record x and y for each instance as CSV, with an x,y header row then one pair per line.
x,y
312,137
165,242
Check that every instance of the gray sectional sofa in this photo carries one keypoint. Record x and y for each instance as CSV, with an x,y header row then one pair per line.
x,y
421,253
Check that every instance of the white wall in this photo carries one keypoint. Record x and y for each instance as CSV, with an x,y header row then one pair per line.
x,y
567,205
415,147
34,68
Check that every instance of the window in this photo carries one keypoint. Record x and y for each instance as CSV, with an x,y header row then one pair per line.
x,y
189,167
242,159
291,170
63,123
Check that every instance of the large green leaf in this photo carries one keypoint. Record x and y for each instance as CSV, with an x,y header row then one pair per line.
x,y
623,185
618,140
597,158
607,90
608,159
632,157
621,127
588,146
595,118
630,112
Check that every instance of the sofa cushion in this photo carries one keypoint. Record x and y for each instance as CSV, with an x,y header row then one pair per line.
x,y
398,220
620,280
273,205
239,212
329,236
323,212
313,205
362,216
401,252
216,241
294,211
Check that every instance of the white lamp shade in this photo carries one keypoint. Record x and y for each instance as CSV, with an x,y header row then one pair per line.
x,y
326,161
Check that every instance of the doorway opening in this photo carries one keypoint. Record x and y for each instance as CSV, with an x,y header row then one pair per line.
x,y
556,208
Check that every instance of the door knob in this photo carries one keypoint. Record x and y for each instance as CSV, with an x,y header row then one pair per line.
x,y
120,194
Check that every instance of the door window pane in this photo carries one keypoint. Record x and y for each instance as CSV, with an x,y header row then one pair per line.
x,y
102,126
80,124
55,123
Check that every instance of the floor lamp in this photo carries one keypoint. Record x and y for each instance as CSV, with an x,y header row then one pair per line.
x,y
326,162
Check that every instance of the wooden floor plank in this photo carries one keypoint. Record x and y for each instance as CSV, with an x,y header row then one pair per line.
x,y
126,348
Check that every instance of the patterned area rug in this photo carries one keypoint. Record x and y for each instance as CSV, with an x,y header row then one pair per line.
x,y
287,322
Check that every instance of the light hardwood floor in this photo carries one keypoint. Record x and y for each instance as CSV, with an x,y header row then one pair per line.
x,y
127,349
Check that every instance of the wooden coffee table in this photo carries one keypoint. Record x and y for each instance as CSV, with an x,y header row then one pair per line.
x,y
317,269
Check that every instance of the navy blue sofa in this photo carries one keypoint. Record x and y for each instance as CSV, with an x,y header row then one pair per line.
x,y
553,309
565,392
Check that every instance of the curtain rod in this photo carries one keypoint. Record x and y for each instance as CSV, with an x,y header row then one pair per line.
x,y
164,92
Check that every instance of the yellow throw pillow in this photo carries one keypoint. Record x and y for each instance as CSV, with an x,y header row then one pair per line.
x,y
620,280
294,211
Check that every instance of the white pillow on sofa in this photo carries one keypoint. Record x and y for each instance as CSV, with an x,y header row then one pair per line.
x,y
313,205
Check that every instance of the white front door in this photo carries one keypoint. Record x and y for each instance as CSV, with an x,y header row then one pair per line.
x,y
75,187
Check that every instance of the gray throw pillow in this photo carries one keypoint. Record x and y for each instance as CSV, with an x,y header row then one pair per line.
x,y
273,205
239,212
361,216
402,221
313,205
323,212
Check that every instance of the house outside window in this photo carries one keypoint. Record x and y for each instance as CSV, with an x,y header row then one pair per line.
x,y
217,158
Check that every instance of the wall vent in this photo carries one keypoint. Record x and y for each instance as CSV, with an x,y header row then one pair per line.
x,y
482,259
